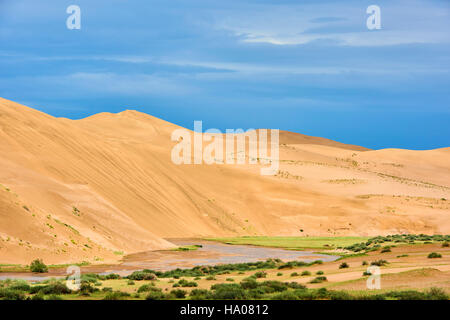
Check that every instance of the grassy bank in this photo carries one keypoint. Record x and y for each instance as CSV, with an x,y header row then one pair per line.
x,y
295,243
354,244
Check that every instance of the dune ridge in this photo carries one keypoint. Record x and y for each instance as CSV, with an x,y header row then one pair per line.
x,y
98,188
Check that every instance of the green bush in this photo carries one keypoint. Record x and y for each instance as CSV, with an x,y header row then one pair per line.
x,y
249,283
294,274
142,275
295,285
260,274
279,274
156,295
275,286
379,263
86,288
319,272
8,294
306,273
318,279
38,266
434,255
288,295
198,293
446,245
53,287
228,291
19,285
147,288
407,295
437,294
343,265
339,295
117,295
178,293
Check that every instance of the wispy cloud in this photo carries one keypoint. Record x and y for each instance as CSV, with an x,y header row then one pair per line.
x,y
404,22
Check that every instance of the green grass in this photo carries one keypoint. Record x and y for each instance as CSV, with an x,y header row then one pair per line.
x,y
294,243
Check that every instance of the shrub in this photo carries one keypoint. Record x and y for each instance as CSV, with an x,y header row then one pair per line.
x,y
116,295
279,274
434,255
288,295
38,266
260,274
8,294
274,286
343,265
407,295
147,288
112,276
379,263
91,277
249,283
86,288
294,274
436,294
142,275
131,283
228,291
185,283
155,295
367,273
319,272
295,285
51,288
306,273
19,285
318,279
339,295
39,296
386,249
107,289
210,278
230,279
178,293
198,292
445,245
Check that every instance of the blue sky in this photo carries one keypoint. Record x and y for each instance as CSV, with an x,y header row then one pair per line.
x,y
307,66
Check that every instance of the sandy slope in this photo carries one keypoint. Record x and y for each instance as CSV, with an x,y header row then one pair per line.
x,y
116,170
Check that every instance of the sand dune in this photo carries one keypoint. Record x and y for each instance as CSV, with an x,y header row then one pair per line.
x,y
96,188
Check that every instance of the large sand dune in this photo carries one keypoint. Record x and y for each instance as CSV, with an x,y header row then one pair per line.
x,y
93,189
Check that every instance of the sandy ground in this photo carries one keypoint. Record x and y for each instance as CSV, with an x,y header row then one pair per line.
x,y
116,170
